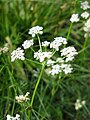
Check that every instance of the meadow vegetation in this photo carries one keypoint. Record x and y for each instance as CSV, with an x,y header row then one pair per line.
x,y
31,86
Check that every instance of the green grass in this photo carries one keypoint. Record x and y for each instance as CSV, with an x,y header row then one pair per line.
x,y
54,98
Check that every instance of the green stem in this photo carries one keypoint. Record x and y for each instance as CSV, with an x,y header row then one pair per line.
x,y
39,42
38,81
85,43
69,31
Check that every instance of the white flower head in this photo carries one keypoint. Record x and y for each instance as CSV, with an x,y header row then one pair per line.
x,y
45,43
58,42
35,30
79,104
22,98
66,68
42,55
69,53
85,5
9,117
27,44
87,27
85,15
17,54
55,69
74,18
50,62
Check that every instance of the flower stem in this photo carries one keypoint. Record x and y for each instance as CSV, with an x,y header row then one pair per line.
x,y
38,81
69,31
39,42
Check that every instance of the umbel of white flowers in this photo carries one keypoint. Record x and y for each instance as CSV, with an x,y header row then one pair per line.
x,y
56,66
22,98
9,117
79,104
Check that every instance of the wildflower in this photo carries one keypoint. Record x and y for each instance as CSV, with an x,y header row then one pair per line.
x,y
35,30
50,62
85,5
55,69
85,15
79,104
74,18
87,27
27,43
17,117
58,42
17,54
69,53
66,68
42,55
45,43
22,98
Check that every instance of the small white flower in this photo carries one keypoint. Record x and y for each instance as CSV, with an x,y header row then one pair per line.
x,y
58,42
87,27
35,30
50,62
85,15
27,43
45,43
42,55
69,53
9,117
74,18
55,69
66,68
17,54
83,102
79,104
85,5
22,98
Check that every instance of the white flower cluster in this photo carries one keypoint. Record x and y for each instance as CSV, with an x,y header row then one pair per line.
x,y
35,30
27,44
9,117
4,49
50,62
85,15
45,43
69,53
87,28
66,68
61,65
17,54
22,98
85,5
56,69
42,55
58,42
74,18
79,104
